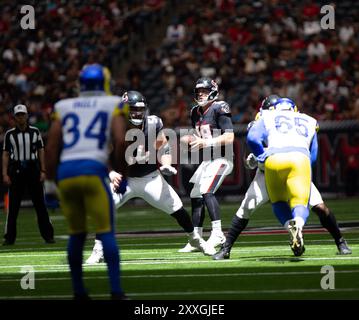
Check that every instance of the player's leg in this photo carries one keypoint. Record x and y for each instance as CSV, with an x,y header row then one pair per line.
x,y
168,201
73,208
327,220
198,215
97,255
255,197
277,169
100,206
298,186
211,179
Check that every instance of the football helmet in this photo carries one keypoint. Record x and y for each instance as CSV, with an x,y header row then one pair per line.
x,y
137,106
285,104
205,91
95,77
269,102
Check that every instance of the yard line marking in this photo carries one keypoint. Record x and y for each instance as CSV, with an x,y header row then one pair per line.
x,y
247,274
190,293
308,242
174,252
175,261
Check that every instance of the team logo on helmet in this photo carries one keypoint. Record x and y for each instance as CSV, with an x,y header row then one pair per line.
x,y
137,106
206,91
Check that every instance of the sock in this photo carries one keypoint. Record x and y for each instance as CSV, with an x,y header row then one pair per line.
x,y
282,211
183,219
217,226
329,222
98,245
74,255
212,206
198,211
112,258
199,230
238,225
300,213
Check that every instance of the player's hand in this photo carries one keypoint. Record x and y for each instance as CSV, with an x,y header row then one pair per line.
x,y
197,143
116,179
121,189
251,162
168,170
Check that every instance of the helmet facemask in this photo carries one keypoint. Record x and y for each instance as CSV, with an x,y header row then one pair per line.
x,y
137,113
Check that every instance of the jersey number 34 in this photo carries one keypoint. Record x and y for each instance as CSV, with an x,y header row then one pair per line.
x,y
95,130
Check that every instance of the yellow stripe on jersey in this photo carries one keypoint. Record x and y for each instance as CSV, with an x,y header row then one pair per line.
x,y
55,116
288,176
86,196
122,109
107,80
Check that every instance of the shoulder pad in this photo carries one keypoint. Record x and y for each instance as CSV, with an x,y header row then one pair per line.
x,y
154,120
222,107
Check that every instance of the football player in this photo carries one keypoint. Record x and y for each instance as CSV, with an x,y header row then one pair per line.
x,y
257,196
79,136
144,180
292,147
213,132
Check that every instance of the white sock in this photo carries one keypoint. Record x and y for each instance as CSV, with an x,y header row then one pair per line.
x,y
217,226
299,221
199,230
98,245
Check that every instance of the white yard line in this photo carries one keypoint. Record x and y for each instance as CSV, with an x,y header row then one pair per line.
x,y
175,262
241,274
174,252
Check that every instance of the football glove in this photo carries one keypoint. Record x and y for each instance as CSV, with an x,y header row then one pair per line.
x,y
168,170
251,161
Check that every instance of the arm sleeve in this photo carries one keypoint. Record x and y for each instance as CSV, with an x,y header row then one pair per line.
x,y
256,135
314,149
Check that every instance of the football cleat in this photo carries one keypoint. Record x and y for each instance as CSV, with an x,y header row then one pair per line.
x,y
95,257
222,254
188,248
296,239
202,246
343,248
216,239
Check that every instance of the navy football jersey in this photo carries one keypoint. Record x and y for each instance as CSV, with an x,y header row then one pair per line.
x,y
216,117
141,169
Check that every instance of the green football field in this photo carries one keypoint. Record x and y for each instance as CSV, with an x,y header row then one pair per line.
x,y
262,265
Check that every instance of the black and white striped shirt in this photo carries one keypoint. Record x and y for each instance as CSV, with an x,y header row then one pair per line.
x,y
23,145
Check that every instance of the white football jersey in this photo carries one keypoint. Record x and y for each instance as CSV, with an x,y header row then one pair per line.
x,y
288,129
86,124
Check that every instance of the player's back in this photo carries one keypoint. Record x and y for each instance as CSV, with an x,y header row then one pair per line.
x,y
288,129
86,122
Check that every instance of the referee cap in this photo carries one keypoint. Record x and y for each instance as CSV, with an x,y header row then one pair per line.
x,y
20,108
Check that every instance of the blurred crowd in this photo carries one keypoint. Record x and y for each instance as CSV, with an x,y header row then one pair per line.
x,y
252,49
40,66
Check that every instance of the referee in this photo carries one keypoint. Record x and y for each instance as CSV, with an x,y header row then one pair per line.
x,y
23,164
